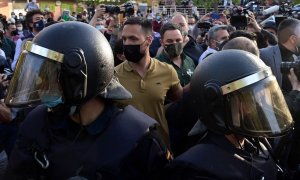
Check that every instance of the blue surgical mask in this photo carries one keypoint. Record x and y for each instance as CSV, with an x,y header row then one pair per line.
x,y
51,101
158,18
99,27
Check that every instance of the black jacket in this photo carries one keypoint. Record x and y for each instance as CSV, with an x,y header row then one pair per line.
x,y
120,144
216,158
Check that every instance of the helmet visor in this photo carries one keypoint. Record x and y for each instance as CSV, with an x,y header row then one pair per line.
x,y
260,110
34,78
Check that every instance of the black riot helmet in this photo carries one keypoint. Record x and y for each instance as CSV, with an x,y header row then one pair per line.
x,y
235,92
72,61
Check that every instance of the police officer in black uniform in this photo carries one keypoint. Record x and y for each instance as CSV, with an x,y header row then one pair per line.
x,y
240,107
77,132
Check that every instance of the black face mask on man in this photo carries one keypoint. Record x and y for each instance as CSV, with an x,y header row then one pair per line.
x,y
39,25
174,50
133,53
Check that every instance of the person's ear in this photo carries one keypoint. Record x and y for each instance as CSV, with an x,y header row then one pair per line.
x,y
161,42
121,57
149,40
293,39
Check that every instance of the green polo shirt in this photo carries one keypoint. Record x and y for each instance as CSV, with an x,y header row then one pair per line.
x,y
185,71
149,92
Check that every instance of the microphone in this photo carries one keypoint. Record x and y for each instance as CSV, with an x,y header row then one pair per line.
x,y
270,10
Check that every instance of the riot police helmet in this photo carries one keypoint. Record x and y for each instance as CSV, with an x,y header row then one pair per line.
x,y
236,93
71,60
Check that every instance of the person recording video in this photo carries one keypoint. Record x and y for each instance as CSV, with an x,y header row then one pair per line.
x,y
285,65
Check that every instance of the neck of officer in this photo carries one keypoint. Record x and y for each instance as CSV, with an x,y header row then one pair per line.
x,y
143,65
236,140
89,111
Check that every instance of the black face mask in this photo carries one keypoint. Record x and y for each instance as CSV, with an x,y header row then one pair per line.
x,y
174,50
39,25
132,53
14,33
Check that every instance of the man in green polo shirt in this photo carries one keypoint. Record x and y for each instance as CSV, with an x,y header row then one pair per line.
x,y
148,80
172,43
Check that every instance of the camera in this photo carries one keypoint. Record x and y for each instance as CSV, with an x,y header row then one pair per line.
x,y
129,9
113,9
239,18
205,26
286,66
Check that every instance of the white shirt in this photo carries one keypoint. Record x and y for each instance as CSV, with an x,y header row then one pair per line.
x,y
205,53
17,53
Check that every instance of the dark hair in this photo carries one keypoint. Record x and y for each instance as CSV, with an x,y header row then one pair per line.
x,y
19,22
241,33
118,49
287,28
29,15
169,26
7,26
50,23
146,25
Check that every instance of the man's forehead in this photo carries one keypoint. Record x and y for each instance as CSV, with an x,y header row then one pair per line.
x,y
132,29
178,20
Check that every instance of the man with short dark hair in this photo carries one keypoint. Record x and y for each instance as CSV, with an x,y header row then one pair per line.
x,y
288,43
216,36
172,43
148,80
10,31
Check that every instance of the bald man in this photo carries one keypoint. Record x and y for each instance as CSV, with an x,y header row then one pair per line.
x,y
191,48
242,43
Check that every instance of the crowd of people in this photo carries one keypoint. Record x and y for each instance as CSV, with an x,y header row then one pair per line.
x,y
120,95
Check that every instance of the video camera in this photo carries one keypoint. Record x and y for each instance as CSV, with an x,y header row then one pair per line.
x,y
113,9
286,66
239,18
205,26
253,6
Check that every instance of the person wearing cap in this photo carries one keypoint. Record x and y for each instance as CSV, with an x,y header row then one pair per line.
x,y
271,27
77,132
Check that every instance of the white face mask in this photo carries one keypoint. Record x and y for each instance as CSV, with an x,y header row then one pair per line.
x,y
191,27
19,28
